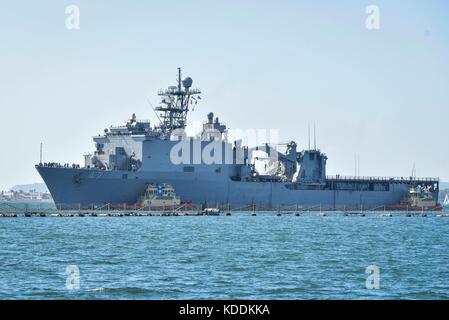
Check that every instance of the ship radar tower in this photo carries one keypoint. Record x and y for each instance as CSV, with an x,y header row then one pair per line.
x,y
175,103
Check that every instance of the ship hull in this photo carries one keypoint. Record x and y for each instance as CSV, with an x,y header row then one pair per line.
x,y
89,187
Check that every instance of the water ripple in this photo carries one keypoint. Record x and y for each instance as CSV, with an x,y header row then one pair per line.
x,y
237,257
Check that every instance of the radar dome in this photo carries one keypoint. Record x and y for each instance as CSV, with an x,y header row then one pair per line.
x,y
187,82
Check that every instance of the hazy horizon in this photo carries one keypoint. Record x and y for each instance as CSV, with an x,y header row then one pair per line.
x,y
379,95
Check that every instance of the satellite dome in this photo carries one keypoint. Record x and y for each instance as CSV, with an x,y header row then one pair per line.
x,y
187,82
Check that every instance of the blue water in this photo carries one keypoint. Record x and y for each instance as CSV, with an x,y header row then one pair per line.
x,y
225,257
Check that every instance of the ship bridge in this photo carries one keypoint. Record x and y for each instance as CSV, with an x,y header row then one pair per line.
x,y
132,127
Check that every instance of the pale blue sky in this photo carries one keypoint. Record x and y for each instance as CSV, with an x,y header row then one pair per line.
x,y
383,95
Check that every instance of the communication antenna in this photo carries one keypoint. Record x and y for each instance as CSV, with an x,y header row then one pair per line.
x,y
308,125
358,166
179,79
314,136
160,121
175,103
40,154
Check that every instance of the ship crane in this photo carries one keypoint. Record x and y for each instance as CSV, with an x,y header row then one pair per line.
x,y
286,162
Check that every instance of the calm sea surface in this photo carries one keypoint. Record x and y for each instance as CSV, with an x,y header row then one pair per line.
x,y
224,257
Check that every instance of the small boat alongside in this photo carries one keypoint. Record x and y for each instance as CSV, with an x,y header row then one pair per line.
x,y
418,199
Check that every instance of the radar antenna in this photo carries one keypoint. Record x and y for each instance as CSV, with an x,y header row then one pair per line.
x,y
175,102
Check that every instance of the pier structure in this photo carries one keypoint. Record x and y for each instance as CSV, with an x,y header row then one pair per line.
x,y
13,211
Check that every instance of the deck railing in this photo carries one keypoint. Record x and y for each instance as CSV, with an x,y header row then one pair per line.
x,y
372,178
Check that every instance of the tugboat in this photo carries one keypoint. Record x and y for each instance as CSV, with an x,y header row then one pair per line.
x,y
159,196
418,199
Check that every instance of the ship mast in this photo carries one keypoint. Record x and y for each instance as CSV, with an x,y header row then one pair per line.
x,y
175,102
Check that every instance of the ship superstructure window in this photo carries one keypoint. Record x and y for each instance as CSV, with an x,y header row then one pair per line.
x,y
189,169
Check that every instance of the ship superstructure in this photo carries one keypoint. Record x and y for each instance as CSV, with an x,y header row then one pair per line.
x,y
209,170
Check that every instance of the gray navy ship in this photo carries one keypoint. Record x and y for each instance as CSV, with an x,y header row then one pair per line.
x,y
210,171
